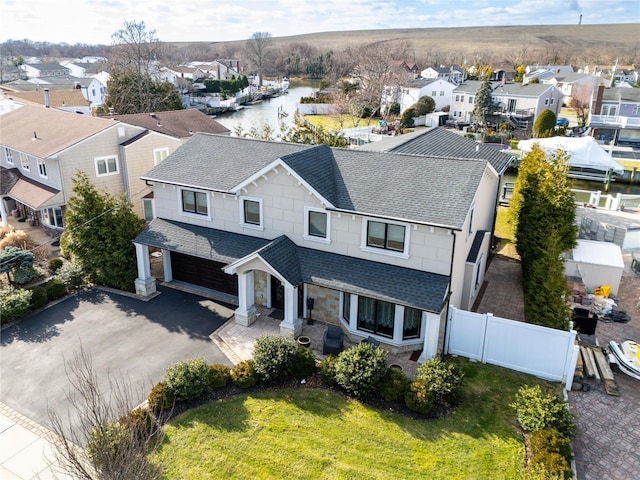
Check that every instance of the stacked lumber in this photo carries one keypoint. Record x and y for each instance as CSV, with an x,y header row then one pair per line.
x,y
592,363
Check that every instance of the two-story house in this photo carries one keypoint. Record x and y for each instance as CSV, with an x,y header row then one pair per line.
x,y
40,70
449,74
615,115
382,242
514,102
408,93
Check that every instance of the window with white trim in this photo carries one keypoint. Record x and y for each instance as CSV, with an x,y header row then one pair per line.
x,y
195,203
470,230
412,323
636,110
346,306
386,236
433,93
42,168
376,316
551,100
471,98
316,224
160,154
251,212
442,93
53,217
8,155
609,110
106,166
147,209
24,162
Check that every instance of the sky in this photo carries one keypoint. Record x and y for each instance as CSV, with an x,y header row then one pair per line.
x,y
94,21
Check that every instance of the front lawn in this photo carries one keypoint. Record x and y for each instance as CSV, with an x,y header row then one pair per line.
x,y
315,433
336,122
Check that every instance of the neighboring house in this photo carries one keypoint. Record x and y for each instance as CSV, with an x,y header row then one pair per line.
x,y
383,243
39,70
68,100
572,84
144,151
515,103
551,68
92,89
450,74
410,92
84,69
45,147
410,67
8,104
221,69
615,115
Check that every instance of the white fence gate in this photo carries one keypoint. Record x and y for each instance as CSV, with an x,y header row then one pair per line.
x,y
544,352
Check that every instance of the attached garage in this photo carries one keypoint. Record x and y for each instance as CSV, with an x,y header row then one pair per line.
x,y
203,272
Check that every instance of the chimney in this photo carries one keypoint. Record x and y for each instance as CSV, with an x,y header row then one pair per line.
x,y
597,105
46,98
580,21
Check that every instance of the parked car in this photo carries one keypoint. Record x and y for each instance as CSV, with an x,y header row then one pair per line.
x,y
562,122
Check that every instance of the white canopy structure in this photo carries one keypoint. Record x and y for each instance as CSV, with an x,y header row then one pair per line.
x,y
584,152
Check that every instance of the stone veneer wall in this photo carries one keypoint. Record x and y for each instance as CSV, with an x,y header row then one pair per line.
x,y
260,279
326,307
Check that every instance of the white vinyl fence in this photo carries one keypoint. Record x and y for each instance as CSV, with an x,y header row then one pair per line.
x,y
544,352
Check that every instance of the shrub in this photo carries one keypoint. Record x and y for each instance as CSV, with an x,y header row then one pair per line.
x,y
304,363
18,239
536,411
14,303
406,120
188,379
138,422
273,357
443,380
219,375
23,275
55,289
393,385
360,368
160,398
38,297
418,397
72,275
544,124
328,369
102,445
554,464
55,264
513,143
550,440
244,375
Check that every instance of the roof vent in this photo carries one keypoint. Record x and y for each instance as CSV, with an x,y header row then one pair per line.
x,y
35,136
477,148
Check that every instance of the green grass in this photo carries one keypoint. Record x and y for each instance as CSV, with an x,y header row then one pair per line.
x,y
504,230
333,122
314,433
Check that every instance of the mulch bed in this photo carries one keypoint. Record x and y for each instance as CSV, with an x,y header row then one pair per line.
x,y
315,381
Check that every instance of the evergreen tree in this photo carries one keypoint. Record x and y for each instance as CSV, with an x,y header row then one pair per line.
x,y
544,124
543,214
484,106
99,229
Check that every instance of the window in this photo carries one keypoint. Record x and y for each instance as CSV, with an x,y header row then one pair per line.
x,y
412,323
53,217
442,93
195,202
635,111
471,98
387,236
24,161
251,212
546,102
346,306
470,231
106,166
42,168
8,155
147,209
160,154
551,100
478,273
376,316
433,93
316,224
457,98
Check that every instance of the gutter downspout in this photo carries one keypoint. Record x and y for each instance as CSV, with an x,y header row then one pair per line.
x,y
448,297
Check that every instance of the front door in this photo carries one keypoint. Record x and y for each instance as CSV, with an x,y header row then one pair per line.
x,y
277,294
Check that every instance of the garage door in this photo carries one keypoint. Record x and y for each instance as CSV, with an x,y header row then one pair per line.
x,y
202,272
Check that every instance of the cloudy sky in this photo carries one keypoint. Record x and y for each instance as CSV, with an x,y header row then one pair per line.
x,y
93,22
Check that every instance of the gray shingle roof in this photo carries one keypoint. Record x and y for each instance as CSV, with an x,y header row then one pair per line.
x,y
176,123
475,246
440,142
414,288
387,185
517,89
203,242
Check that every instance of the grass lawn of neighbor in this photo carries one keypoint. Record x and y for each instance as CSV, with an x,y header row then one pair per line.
x,y
316,433
333,122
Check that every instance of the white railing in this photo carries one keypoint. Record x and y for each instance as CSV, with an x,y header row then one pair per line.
x,y
544,352
614,121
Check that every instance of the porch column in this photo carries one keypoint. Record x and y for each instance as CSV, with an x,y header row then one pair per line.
x,y
431,330
145,283
3,212
245,314
291,326
166,265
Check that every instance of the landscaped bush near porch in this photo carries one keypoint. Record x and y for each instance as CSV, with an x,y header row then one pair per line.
x,y
443,380
359,369
14,303
188,379
273,357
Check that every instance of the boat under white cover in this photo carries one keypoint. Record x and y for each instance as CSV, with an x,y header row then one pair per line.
x,y
628,357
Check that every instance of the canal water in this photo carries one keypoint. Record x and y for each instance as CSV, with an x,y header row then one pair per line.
x,y
271,111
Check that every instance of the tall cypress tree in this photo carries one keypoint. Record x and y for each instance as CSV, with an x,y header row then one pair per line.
x,y
99,229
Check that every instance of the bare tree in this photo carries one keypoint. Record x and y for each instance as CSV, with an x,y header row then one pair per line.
x,y
580,102
110,439
258,49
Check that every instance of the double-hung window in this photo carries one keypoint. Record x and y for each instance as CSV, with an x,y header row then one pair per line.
x,y
106,166
251,212
195,202
24,162
42,168
387,236
8,154
160,154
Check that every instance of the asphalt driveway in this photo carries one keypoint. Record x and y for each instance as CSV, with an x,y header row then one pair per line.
x,y
126,337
